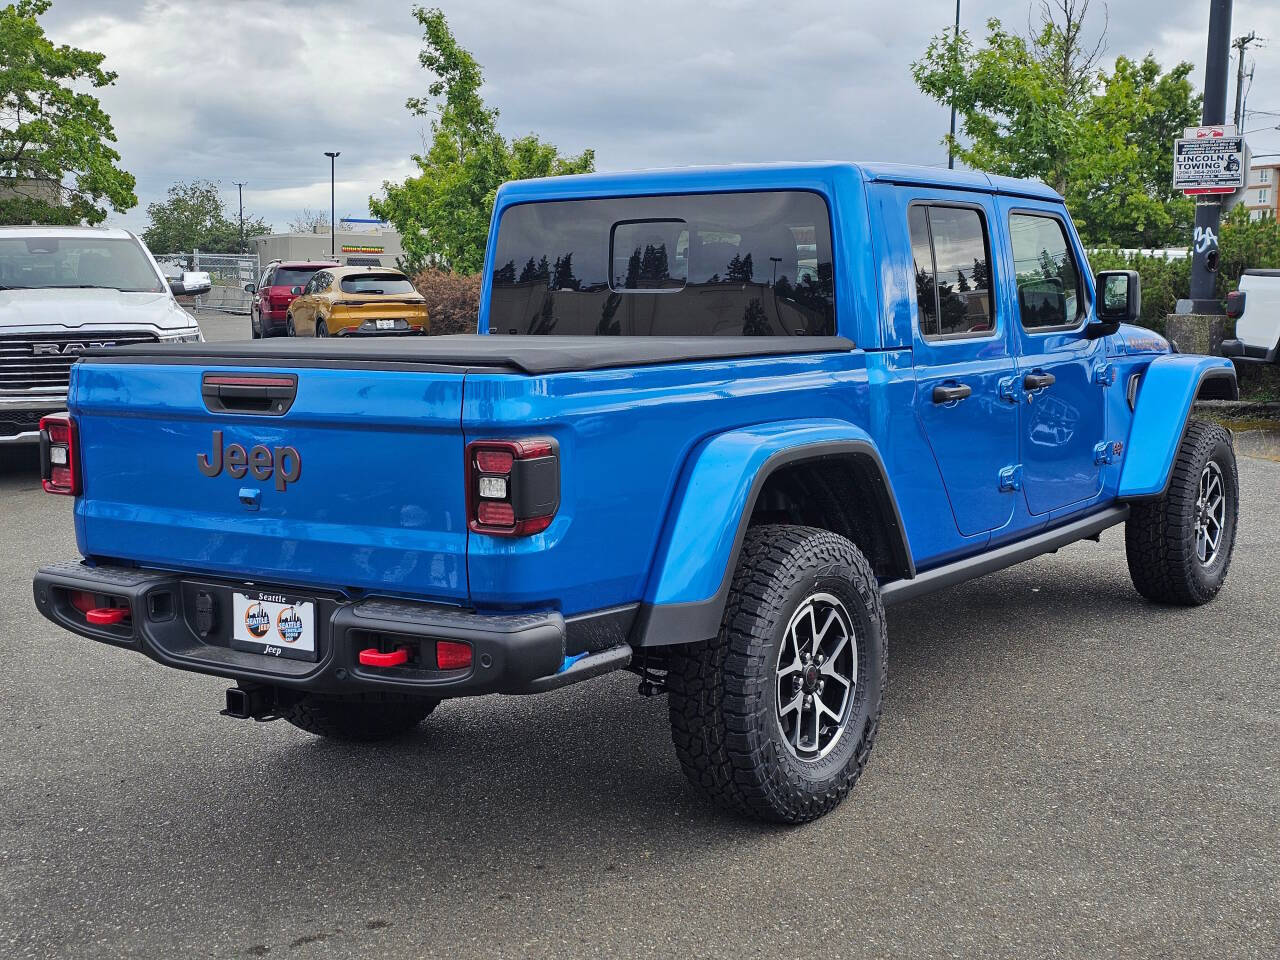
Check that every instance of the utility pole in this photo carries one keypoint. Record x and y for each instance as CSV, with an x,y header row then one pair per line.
x,y
240,191
955,45
1241,44
1204,246
333,210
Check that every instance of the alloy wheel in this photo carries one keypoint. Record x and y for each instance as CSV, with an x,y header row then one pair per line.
x,y
816,676
1211,513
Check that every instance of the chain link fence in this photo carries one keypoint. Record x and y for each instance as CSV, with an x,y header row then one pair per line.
x,y
228,272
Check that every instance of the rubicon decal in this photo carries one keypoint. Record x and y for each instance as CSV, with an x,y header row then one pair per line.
x,y
284,463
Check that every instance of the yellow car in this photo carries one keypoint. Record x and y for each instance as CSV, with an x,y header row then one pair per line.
x,y
350,301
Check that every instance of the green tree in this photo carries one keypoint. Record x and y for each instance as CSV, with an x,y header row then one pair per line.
x,y
57,164
1039,107
443,213
193,217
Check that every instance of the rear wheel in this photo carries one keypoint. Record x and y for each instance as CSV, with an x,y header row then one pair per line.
x,y
776,716
361,718
1179,546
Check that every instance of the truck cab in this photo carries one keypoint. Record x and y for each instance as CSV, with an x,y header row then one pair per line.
x,y
712,423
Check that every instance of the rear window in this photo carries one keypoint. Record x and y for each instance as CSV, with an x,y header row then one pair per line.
x,y
293,276
375,283
728,264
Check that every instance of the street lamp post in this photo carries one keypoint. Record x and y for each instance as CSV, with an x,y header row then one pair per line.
x,y
333,220
955,45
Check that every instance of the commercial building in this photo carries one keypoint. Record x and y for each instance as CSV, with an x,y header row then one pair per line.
x,y
365,240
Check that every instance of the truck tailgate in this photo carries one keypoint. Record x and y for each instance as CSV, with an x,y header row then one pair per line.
x,y
375,500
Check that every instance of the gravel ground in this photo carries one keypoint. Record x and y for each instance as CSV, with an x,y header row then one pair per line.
x,y
1063,770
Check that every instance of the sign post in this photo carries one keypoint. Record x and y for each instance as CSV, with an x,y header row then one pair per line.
x,y
1209,163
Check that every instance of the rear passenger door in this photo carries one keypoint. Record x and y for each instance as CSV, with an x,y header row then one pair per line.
x,y
1061,372
962,354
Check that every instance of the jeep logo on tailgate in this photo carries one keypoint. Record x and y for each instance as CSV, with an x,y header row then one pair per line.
x,y
56,349
284,462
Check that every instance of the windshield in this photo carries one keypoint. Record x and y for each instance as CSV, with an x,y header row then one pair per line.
x,y
730,264
60,262
376,283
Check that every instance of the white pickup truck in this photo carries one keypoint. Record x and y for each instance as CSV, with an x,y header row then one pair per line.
x,y
1255,307
64,290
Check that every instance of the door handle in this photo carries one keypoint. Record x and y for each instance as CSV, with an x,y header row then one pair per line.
x,y
1038,381
951,392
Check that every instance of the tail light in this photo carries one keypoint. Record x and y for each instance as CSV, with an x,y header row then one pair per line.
x,y
59,455
1235,304
513,486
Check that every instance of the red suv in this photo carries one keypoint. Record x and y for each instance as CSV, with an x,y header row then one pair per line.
x,y
280,283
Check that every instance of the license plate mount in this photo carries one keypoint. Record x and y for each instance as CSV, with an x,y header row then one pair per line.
x,y
274,624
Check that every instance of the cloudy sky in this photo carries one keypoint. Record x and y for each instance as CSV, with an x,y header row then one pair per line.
x,y
257,90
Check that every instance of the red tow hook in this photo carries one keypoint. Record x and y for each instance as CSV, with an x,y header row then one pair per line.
x,y
106,616
373,657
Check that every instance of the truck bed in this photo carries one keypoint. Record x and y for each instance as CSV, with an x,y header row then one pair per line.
x,y
519,354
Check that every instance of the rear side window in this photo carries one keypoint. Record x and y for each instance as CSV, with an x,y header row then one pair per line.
x,y
376,283
291,277
953,271
731,264
1048,281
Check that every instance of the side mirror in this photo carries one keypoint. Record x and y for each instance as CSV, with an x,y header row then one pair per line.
x,y
250,288
1119,300
296,291
192,283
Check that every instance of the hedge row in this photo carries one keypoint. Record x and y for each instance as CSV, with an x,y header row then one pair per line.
x,y
1242,243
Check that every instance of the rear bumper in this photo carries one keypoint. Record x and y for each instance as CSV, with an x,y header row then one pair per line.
x,y
511,653
1238,351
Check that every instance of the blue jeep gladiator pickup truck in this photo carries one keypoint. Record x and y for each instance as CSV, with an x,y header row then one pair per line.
x,y
713,422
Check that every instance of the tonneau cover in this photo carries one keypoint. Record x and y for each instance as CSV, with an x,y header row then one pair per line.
x,y
523,354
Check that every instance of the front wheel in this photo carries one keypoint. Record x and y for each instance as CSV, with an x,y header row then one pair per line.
x,y
255,327
359,718
1179,546
289,329
776,716
322,329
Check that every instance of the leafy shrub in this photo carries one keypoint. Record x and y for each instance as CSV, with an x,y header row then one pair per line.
x,y
453,299
1242,243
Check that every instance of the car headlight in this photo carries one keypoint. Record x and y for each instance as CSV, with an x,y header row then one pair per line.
x,y
185,335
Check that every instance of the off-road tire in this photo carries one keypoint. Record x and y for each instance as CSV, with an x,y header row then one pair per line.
x,y
1160,534
723,692
360,718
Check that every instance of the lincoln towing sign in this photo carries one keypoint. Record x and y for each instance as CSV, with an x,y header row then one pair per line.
x,y
1209,160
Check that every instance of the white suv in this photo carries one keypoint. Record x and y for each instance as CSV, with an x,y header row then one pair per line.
x,y
1255,307
64,290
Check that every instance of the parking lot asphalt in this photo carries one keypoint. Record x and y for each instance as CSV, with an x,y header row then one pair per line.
x,y
1063,770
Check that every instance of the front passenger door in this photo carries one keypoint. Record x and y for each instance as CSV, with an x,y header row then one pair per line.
x,y
1061,372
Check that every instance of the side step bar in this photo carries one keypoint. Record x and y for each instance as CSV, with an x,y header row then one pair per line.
x,y
971,568
584,668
